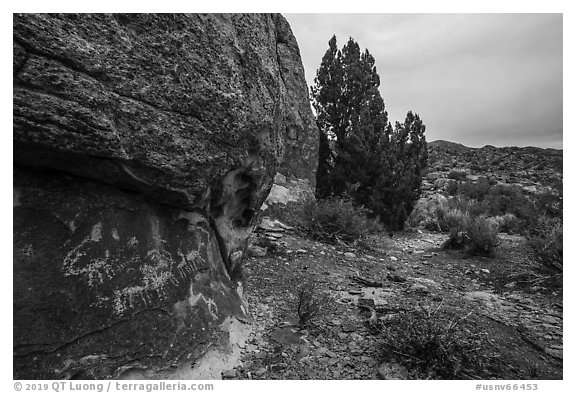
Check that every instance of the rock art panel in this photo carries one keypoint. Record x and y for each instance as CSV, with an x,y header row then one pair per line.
x,y
144,147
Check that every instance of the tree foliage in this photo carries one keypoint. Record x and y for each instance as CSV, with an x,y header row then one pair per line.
x,y
361,154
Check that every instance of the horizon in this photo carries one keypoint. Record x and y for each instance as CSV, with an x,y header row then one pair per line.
x,y
489,144
501,72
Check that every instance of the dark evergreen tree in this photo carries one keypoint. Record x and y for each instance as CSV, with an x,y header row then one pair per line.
x,y
360,153
399,186
325,100
350,112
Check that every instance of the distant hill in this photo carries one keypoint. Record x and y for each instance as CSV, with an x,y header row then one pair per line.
x,y
524,166
447,145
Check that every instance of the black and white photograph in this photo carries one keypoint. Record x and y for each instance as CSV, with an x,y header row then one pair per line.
x,y
287,196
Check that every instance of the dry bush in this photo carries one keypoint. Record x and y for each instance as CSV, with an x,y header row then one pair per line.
x,y
483,236
478,235
337,219
309,302
433,345
546,242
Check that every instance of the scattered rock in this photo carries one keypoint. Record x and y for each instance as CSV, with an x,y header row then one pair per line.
x,y
393,259
287,336
366,302
349,255
392,371
395,278
426,281
256,251
511,284
420,289
301,251
348,327
228,374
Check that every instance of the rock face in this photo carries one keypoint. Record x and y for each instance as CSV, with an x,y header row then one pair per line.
x,y
144,146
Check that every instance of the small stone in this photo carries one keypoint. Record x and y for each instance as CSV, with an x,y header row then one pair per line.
x,y
301,251
366,302
393,259
395,278
349,255
419,288
261,371
549,319
227,374
468,271
354,292
356,352
511,284
278,367
336,322
322,253
255,251
392,371
342,336
322,351
348,327
485,271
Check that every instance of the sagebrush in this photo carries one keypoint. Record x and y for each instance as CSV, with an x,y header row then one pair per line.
x,y
545,240
432,345
477,235
337,219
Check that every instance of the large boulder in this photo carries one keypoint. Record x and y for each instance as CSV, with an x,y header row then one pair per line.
x,y
144,147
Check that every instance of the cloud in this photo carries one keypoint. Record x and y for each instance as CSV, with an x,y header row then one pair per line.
x,y
474,78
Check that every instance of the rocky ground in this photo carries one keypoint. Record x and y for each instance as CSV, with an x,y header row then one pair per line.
x,y
518,321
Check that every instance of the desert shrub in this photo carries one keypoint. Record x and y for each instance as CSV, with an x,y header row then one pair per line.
x,y
482,234
474,190
509,199
449,219
509,223
334,219
545,240
309,302
549,204
457,175
452,187
478,235
424,213
432,345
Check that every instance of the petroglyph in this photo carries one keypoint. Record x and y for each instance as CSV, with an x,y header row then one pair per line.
x,y
211,305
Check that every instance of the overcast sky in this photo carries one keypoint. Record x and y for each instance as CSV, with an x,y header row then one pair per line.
x,y
476,79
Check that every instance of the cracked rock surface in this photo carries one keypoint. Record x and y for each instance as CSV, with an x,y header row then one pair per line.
x,y
144,146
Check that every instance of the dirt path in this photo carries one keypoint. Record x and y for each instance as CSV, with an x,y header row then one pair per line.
x,y
521,324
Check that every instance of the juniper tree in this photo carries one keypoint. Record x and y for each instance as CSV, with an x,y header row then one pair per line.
x,y
350,112
360,153
399,185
